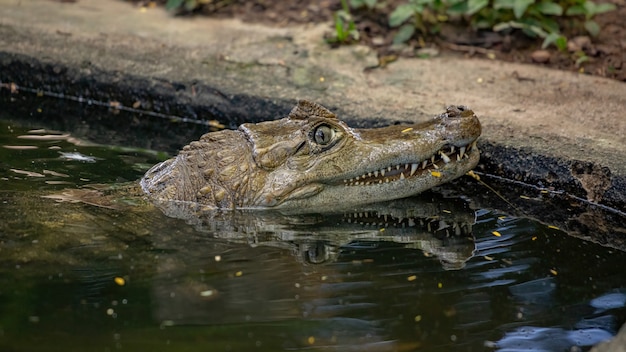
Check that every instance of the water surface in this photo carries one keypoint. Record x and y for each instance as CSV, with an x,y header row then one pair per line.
x,y
77,277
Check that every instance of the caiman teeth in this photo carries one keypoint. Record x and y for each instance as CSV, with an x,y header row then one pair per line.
x,y
436,227
444,157
406,170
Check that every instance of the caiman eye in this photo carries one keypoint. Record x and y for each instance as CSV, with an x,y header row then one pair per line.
x,y
323,134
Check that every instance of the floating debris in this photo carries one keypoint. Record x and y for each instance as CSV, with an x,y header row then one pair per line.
x,y
207,293
19,147
54,173
45,137
76,156
27,173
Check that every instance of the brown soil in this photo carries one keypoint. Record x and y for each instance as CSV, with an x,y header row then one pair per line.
x,y
605,54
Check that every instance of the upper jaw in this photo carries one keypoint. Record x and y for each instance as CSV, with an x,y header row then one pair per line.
x,y
434,145
439,160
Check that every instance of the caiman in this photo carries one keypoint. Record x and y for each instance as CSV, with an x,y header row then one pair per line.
x,y
312,160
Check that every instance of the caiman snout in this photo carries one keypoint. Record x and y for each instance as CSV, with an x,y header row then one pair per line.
x,y
461,125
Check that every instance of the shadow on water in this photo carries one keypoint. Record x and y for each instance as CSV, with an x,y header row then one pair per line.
x,y
98,268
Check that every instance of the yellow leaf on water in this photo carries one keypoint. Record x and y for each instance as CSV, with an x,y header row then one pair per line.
x,y
411,278
496,233
553,227
120,281
473,175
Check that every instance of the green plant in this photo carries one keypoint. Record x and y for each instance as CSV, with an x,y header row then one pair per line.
x,y
360,3
538,18
589,9
581,58
345,29
423,15
186,5
535,18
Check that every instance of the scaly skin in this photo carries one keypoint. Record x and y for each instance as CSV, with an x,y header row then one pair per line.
x,y
311,160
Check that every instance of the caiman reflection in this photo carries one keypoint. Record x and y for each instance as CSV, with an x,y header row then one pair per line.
x,y
438,226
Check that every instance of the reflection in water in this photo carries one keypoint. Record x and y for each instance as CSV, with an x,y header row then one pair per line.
x,y
427,273
438,226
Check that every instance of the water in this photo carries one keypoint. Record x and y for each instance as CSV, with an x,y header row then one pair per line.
x,y
77,277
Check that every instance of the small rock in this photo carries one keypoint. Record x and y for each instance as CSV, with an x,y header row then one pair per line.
x,y
582,41
540,56
378,41
572,47
427,52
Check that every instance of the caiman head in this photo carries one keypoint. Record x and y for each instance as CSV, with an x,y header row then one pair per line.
x,y
312,161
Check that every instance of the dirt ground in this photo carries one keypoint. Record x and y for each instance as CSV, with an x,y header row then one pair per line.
x,y
606,53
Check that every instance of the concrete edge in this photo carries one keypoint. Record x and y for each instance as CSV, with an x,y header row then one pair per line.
x,y
201,102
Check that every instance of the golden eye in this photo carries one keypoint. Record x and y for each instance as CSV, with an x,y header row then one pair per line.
x,y
323,134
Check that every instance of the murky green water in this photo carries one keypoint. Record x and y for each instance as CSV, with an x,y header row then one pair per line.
x,y
78,277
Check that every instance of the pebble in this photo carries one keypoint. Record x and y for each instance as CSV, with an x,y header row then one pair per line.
x,y
540,56
579,43
427,52
378,41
